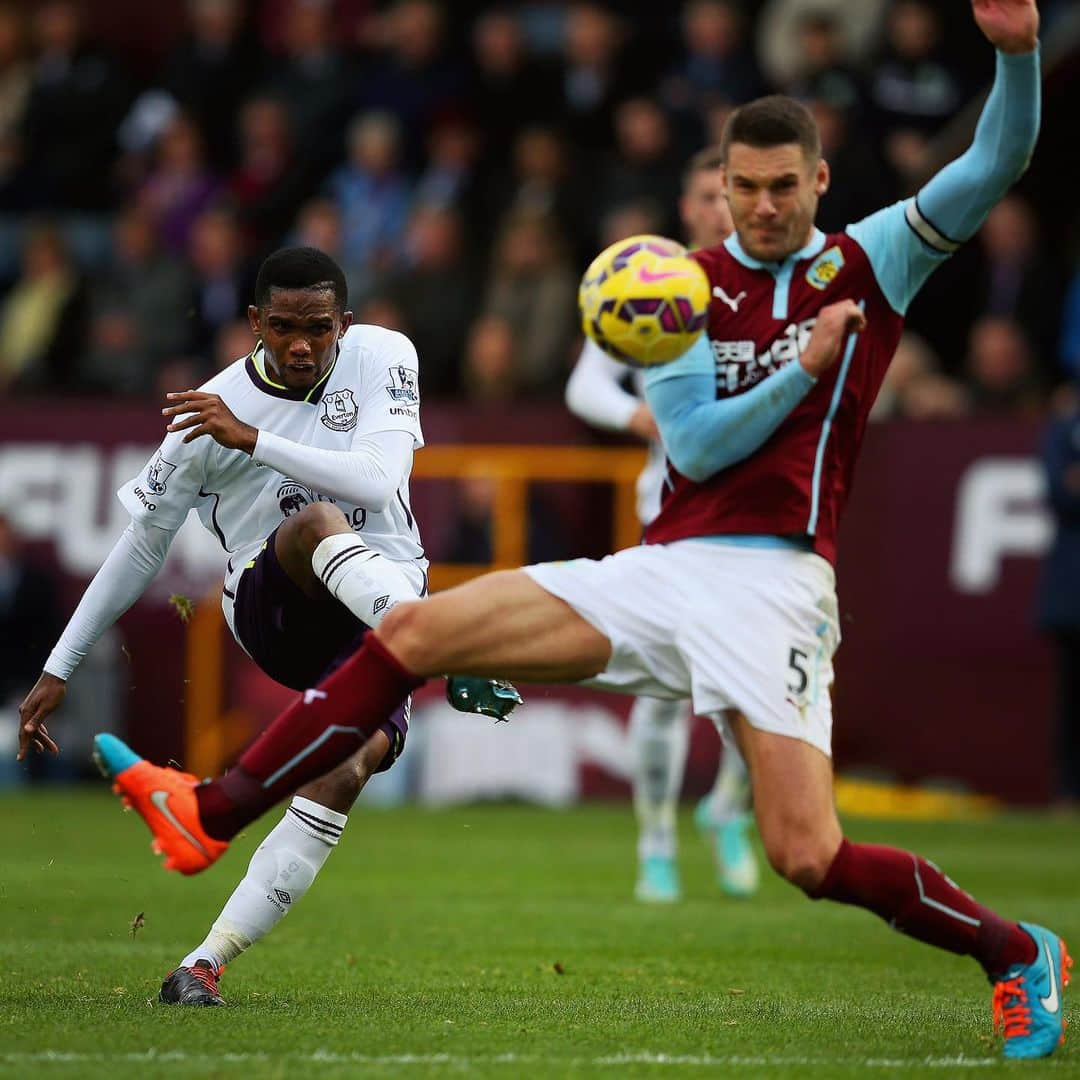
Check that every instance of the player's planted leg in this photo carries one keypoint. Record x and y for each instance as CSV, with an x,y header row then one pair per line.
x,y
281,871
659,735
793,802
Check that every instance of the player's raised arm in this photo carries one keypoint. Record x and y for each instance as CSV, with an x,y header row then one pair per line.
x,y
158,499
907,241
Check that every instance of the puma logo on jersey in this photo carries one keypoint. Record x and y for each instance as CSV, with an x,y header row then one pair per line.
x,y
732,302
313,695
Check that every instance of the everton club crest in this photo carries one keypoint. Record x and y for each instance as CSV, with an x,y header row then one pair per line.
x,y
339,410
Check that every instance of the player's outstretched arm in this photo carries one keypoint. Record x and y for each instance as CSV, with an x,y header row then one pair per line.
x,y
124,575
703,435
907,241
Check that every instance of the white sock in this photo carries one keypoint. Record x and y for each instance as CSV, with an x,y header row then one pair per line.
x,y
659,736
367,583
280,872
730,796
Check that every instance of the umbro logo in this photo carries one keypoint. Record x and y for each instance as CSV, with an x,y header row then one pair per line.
x,y
732,302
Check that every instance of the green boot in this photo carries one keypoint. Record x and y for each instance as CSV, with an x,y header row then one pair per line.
x,y
488,697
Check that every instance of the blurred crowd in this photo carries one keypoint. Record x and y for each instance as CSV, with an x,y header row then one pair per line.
x,y
463,162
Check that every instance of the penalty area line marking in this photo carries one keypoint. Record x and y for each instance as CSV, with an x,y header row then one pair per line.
x,y
329,1057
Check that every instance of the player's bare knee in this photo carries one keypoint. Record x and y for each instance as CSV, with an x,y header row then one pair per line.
x,y
306,529
800,857
338,789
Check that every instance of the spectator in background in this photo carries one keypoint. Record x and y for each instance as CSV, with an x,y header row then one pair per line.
x,y
914,386
180,184
1019,279
312,78
14,95
490,369
212,70
718,62
450,176
223,275
508,89
823,73
532,284
77,100
271,180
42,318
630,219
1070,326
234,340
644,164
592,78
372,192
139,308
1059,597
29,615
858,181
1002,375
319,225
435,294
542,182
417,78
380,310
913,91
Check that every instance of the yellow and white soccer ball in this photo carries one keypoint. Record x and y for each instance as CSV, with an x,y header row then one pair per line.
x,y
644,301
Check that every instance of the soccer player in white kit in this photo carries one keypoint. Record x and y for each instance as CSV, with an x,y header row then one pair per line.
x,y
305,483
660,729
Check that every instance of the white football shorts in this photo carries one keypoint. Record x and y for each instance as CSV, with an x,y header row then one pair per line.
x,y
729,627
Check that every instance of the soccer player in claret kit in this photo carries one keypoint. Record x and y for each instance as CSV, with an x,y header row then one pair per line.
x,y
731,600
304,479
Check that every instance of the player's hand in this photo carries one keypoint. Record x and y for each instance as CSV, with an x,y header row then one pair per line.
x,y
1009,25
46,695
834,323
209,415
643,424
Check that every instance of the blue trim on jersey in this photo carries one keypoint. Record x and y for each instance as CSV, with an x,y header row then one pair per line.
x,y
819,457
780,290
751,540
782,272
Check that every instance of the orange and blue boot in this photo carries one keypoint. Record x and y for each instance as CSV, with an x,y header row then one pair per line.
x,y
1027,998
165,800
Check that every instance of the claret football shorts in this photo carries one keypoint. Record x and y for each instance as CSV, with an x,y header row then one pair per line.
x,y
729,627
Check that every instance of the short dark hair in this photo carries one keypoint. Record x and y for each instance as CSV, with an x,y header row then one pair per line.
x,y
300,268
772,121
703,161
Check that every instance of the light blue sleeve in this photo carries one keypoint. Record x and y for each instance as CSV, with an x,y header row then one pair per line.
x,y
703,435
907,241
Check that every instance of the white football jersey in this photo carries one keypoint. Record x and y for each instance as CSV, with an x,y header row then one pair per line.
x,y
372,386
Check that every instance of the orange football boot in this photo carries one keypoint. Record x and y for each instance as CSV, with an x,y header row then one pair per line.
x,y
165,800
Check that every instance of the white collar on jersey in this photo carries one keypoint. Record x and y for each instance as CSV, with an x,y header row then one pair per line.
x,y
817,242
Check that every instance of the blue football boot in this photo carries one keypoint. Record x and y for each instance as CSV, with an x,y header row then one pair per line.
x,y
737,870
1027,998
658,880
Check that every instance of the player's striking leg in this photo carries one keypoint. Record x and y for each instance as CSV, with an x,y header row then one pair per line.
x,y
281,871
500,622
1028,965
724,817
659,735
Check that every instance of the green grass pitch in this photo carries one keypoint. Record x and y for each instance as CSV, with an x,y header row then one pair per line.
x,y
498,941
